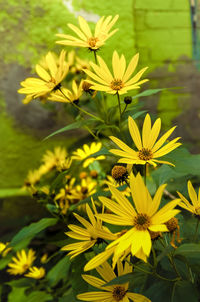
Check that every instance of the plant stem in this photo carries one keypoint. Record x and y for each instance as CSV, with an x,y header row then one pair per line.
x,y
95,56
145,174
82,110
196,230
120,110
124,109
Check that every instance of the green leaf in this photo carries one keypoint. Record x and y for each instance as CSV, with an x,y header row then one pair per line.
x,y
13,192
59,271
17,295
121,279
39,296
149,92
23,282
184,291
72,126
68,296
189,250
4,261
25,235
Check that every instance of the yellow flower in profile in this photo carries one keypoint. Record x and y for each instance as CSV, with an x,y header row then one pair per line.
x,y
148,149
85,38
35,272
111,293
49,80
4,250
67,96
120,81
111,182
194,208
82,154
21,263
89,235
145,218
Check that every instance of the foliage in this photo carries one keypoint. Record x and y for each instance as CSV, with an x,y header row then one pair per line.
x,y
101,206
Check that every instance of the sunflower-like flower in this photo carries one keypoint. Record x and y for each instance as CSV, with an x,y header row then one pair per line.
x,y
111,293
50,78
194,208
85,37
148,149
89,235
82,154
35,272
21,263
120,81
56,159
86,188
145,218
67,96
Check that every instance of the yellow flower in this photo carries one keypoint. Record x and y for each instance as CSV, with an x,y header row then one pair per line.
x,y
56,159
120,82
85,37
67,96
195,199
111,182
148,149
87,236
111,293
80,65
86,188
44,258
22,262
49,80
82,154
3,249
146,217
35,272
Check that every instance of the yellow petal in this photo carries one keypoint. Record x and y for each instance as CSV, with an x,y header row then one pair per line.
x,y
134,132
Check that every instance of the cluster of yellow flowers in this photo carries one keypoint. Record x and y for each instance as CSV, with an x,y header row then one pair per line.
x,y
134,208
23,262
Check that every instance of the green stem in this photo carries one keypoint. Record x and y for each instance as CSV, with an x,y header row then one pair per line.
x,y
196,230
82,110
124,109
120,110
95,56
145,174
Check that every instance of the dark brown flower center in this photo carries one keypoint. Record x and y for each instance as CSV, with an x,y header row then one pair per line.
x,y
119,173
142,222
145,154
172,224
118,293
116,84
92,41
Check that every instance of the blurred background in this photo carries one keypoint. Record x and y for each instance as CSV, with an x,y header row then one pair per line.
x,y
165,33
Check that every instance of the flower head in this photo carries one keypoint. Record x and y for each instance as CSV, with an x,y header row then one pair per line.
x,y
194,208
49,78
120,81
21,263
146,217
85,38
111,293
65,95
148,149
35,272
86,151
56,159
88,235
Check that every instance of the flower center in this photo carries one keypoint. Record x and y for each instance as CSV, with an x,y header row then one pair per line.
x,y
118,293
25,267
92,41
117,84
145,154
119,173
141,222
172,224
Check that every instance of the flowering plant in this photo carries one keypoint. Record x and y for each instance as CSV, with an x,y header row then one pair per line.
x,y
110,209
